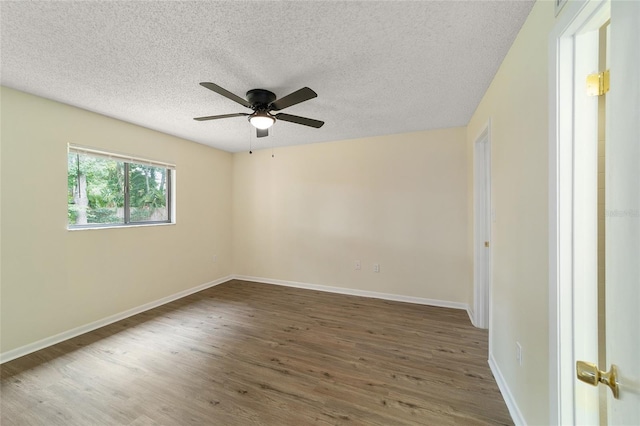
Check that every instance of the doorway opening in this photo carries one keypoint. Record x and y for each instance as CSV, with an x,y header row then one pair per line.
x,y
482,228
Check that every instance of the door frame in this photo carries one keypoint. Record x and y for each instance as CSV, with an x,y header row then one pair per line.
x,y
564,295
482,212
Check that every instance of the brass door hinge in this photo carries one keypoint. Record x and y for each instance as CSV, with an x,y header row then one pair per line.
x,y
598,83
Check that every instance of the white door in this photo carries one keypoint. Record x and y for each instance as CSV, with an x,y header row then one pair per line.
x,y
622,236
623,212
573,218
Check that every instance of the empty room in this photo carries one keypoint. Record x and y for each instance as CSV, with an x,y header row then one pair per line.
x,y
319,212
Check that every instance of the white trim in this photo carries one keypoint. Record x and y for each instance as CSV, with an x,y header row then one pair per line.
x,y
69,334
125,226
470,313
472,316
510,401
362,293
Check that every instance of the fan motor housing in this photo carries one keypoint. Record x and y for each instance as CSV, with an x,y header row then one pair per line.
x,y
260,98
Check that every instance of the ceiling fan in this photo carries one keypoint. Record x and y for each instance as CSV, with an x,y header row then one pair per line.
x,y
262,102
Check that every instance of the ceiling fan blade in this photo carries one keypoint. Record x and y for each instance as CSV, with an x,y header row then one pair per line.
x,y
296,97
299,120
262,132
227,94
215,117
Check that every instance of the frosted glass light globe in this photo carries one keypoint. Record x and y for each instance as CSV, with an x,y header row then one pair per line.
x,y
261,120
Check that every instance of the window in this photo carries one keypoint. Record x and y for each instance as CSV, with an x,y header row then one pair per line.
x,y
106,189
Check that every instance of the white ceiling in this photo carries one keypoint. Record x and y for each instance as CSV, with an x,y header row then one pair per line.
x,y
378,67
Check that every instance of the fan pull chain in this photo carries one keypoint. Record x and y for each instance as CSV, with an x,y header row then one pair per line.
x,y
250,139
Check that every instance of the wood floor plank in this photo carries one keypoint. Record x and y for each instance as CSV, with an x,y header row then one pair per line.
x,y
246,353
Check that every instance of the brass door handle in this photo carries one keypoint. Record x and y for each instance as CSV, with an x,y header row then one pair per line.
x,y
589,373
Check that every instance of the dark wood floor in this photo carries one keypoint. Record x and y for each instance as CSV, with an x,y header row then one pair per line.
x,y
255,354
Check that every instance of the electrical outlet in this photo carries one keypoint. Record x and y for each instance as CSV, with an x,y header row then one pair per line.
x,y
519,353
357,266
376,267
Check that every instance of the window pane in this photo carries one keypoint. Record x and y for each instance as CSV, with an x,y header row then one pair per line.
x,y
148,194
95,190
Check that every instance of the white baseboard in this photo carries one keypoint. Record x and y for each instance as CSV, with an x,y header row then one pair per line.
x,y
354,292
516,414
50,341
472,317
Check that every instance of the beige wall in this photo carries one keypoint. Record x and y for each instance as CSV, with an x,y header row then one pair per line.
x,y
305,215
54,280
401,201
517,104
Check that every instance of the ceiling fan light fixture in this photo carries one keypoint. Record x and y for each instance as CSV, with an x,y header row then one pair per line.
x,y
261,120
262,102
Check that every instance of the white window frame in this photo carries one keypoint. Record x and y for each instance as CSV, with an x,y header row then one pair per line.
x,y
128,159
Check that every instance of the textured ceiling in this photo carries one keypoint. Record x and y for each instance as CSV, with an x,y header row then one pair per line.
x,y
378,67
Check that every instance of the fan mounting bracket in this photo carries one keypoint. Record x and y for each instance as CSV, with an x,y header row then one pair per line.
x,y
260,98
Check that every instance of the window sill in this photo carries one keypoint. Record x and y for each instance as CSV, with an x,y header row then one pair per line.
x,y
137,225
